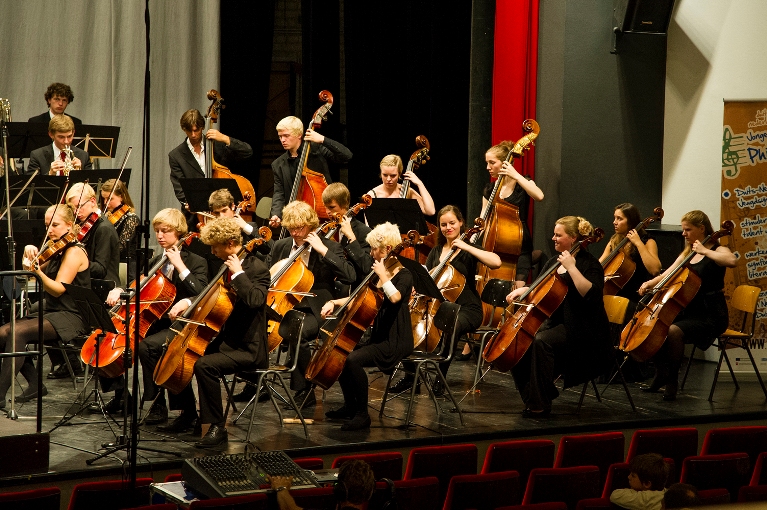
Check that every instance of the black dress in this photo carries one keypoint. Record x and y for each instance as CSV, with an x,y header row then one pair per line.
x,y
127,235
521,199
62,312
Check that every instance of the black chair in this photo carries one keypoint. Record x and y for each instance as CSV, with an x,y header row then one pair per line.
x,y
290,330
494,294
427,364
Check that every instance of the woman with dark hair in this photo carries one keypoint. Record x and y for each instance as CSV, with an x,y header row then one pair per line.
x,y
121,212
706,316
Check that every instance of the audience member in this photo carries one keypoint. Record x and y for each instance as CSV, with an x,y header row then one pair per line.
x,y
353,489
680,495
647,482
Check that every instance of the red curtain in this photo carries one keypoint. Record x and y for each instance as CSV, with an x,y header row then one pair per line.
x,y
515,72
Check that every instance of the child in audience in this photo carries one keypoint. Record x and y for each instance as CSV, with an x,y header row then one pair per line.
x,y
681,496
647,482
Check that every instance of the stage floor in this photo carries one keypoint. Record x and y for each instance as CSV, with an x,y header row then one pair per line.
x,y
492,413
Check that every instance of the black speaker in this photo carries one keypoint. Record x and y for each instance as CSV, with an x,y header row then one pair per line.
x,y
24,454
643,16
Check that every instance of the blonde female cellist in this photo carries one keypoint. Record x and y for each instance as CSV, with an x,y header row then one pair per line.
x,y
575,339
451,226
62,319
390,187
391,337
706,316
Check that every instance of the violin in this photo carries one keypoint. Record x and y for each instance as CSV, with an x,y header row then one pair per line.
x,y
618,266
201,322
537,304
503,228
291,282
351,321
118,214
157,294
52,248
309,184
217,171
450,283
86,226
646,332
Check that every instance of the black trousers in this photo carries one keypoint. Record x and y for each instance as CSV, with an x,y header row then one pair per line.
x,y
208,370
149,352
354,381
535,373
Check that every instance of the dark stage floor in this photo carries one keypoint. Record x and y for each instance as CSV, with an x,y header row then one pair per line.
x,y
491,413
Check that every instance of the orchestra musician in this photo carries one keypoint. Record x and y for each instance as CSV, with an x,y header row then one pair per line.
x,y
50,159
221,205
391,337
391,172
451,226
187,161
325,260
57,96
575,340
62,319
188,272
290,131
352,232
706,316
120,208
242,342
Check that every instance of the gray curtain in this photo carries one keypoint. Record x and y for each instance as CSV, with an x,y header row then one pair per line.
x,y
97,47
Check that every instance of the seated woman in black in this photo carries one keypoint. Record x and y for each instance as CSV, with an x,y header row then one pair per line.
x,y
62,319
121,213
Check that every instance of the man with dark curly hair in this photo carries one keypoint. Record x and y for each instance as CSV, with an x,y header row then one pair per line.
x,y
58,96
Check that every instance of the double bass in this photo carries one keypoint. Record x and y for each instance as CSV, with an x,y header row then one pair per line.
x,y
537,304
351,321
309,184
618,265
418,251
217,171
202,321
503,229
450,283
156,297
646,332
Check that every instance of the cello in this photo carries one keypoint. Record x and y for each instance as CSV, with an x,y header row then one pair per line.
x,y
217,171
156,296
353,318
618,266
309,184
646,332
503,228
538,303
201,322
291,282
418,251
450,283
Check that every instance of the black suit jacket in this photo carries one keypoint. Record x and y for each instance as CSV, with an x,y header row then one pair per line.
x,y
358,251
319,154
43,157
325,270
46,117
194,282
103,249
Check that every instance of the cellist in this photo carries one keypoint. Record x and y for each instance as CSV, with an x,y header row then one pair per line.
x,y
575,339
706,316
451,226
188,272
325,260
62,319
391,337
290,131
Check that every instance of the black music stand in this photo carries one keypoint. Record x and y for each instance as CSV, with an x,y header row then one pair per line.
x,y
96,178
404,212
43,190
24,137
422,281
97,141
197,191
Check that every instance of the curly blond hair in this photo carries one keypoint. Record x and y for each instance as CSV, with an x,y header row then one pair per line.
x,y
384,234
221,231
298,214
576,226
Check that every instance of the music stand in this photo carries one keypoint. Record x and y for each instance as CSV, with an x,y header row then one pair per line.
x,y
404,212
24,137
97,141
197,191
43,191
96,178
422,281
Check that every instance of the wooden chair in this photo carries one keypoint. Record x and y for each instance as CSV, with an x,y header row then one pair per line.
x,y
744,299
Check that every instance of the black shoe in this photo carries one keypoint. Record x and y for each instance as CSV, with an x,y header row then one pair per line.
x,y
344,413
158,413
438,389
62,372
303,398
182,423
359,422
246,394
216,435
660,380
404,385
31,395
462,357
116,406
529,413
669,394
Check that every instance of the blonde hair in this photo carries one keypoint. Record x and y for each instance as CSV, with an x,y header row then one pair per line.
x,y
221,231
63,211
61,123
392,160
220,198
698,219
298,214
82,191
173,218
338,193
384,234
292,124
120,190
576,226
501,150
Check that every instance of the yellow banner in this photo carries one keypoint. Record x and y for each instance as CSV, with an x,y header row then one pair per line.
x,y
744,201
